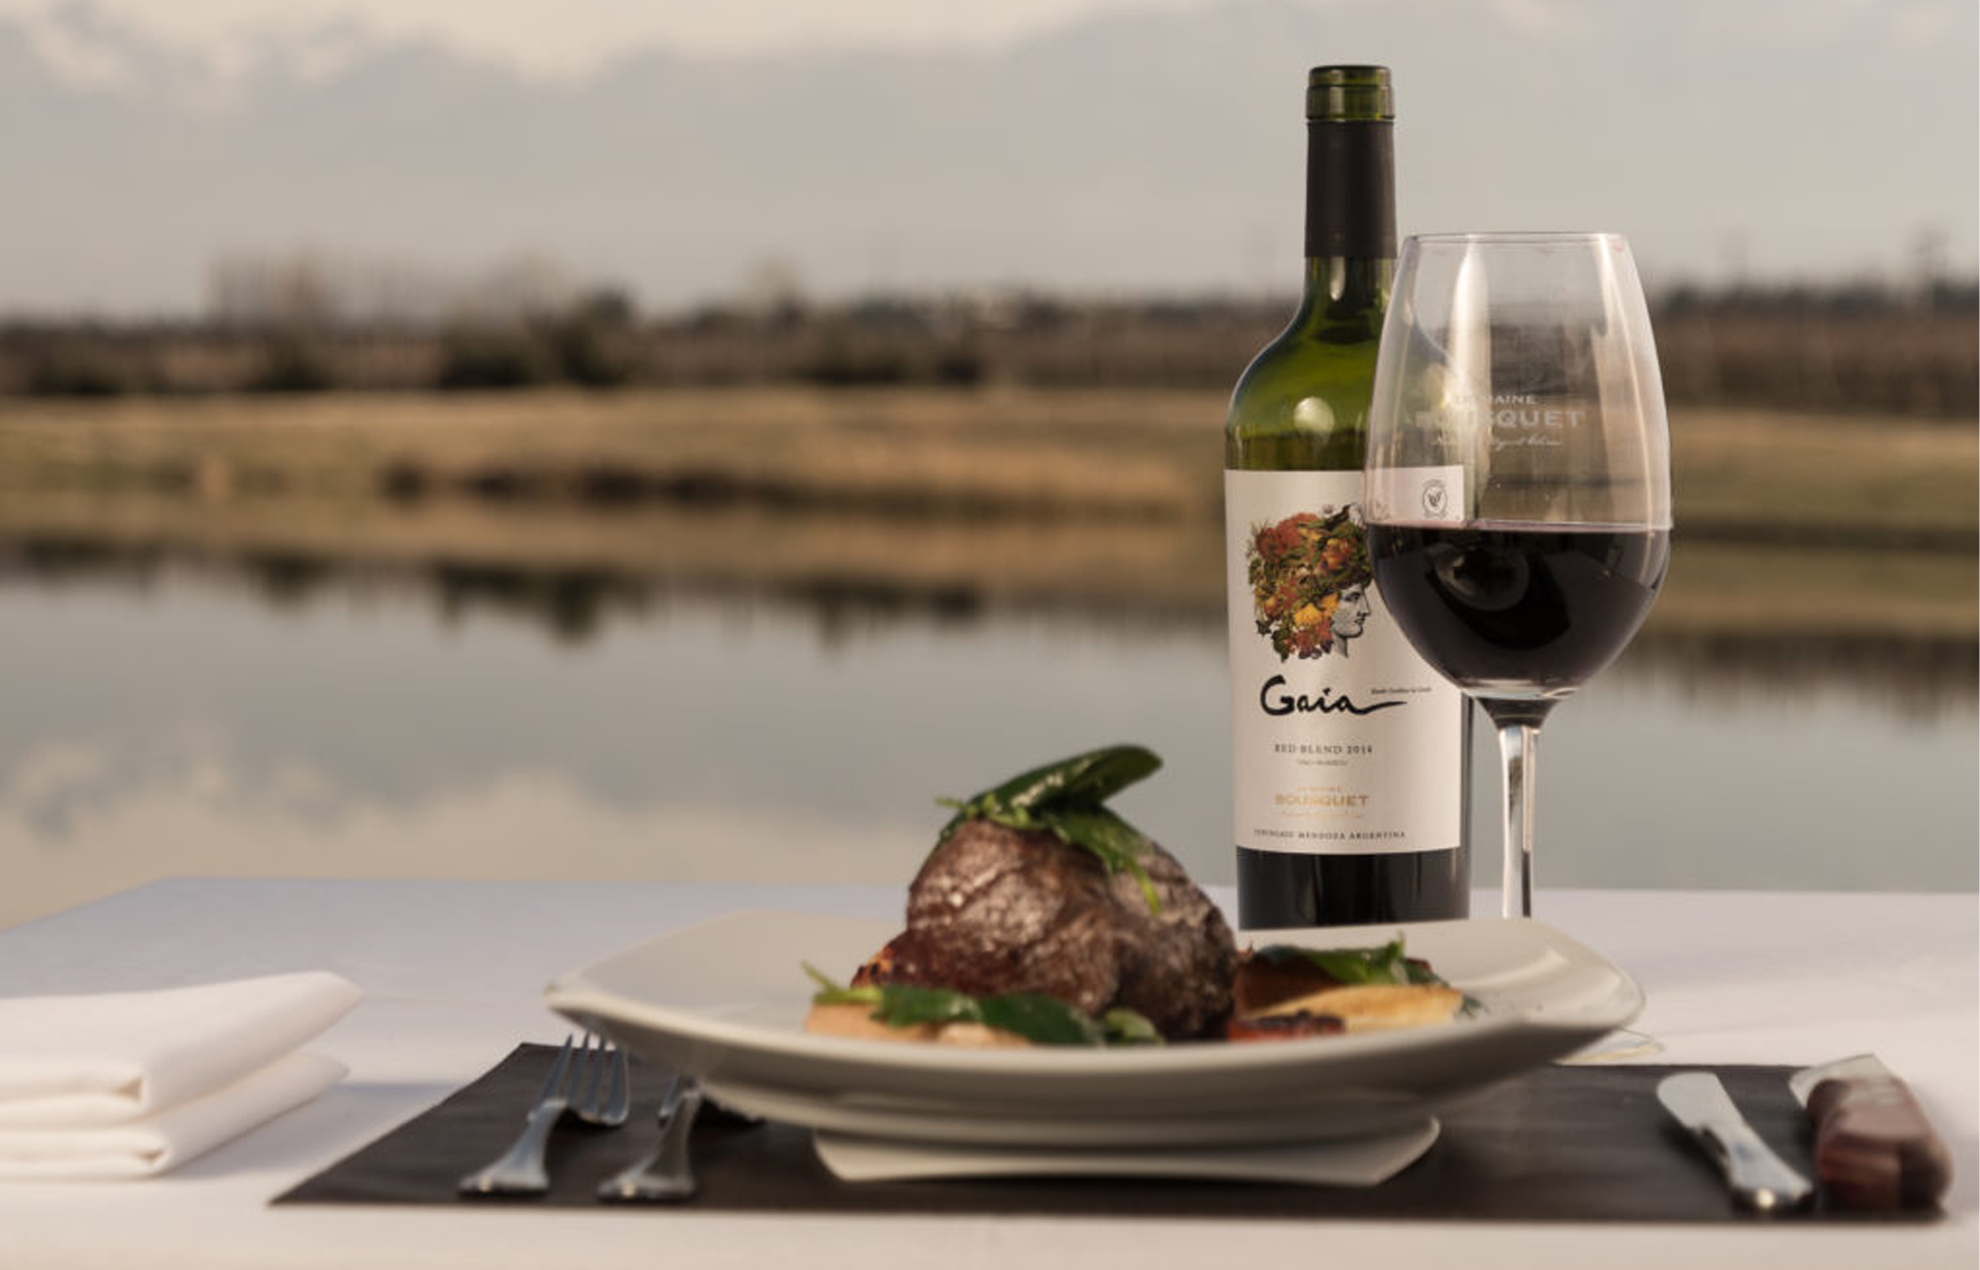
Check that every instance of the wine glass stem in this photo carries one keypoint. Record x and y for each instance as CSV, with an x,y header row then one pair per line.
x,y
1517,742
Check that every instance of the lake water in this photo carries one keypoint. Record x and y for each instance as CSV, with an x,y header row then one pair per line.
x,y
174,721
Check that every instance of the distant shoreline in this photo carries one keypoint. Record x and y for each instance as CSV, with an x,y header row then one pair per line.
x,y
1855,350
1788,525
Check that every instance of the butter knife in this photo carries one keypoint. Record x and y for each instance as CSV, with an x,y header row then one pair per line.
x,y
1759,1179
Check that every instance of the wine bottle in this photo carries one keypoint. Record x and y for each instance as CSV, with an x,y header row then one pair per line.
x,y
1349,751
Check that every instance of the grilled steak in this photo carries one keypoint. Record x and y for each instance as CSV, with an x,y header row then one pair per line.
x,y
998,910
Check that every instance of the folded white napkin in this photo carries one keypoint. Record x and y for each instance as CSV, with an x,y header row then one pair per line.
x,y
125,1084
170,1137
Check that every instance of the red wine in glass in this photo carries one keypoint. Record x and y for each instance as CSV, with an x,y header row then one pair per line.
x,y
1523,613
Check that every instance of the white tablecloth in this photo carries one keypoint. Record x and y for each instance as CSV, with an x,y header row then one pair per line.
x,y
454,973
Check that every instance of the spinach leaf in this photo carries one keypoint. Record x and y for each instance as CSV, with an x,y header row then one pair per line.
x,y
1066,798
1118,844
1386,964
1090,778
1038,1018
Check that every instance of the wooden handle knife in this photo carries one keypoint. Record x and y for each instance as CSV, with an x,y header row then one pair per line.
x,y
1874,1148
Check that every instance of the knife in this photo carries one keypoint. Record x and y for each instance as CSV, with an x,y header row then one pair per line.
x,y
1874,1149
1759,1179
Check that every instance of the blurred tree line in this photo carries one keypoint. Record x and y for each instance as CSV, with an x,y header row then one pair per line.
x,y
305,324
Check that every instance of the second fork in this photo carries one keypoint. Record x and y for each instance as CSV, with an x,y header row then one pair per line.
x,y
587,1082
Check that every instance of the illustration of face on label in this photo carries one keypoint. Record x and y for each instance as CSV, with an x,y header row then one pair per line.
x,y
1310,575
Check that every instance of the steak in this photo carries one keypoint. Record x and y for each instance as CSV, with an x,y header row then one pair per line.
x,y
1000,910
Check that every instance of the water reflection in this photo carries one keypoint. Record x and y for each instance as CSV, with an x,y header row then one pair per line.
x,y
1911,675
287,714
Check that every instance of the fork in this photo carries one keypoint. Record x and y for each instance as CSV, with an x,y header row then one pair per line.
x,y
665,1176
576,1086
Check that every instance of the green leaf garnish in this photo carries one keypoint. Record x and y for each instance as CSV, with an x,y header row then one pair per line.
x,y
1129,1027
1038,1018
1090,778
1066,798
1386,964
1118,844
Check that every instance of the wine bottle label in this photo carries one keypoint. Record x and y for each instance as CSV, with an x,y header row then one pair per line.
x,y
1346,741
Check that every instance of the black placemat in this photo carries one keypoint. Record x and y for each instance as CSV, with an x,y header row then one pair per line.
x,y
1555,1144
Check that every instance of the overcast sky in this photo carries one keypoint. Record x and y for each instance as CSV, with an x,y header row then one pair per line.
x,y
1115,145
563,37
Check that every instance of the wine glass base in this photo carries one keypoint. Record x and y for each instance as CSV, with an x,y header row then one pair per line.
x,y
1619,1046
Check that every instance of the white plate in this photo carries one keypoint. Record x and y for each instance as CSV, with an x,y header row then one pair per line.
x,y
1363,1161
726,1000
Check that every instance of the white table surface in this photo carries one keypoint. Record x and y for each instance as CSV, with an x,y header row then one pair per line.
x,y
454,972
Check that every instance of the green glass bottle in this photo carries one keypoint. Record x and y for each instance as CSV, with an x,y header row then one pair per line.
x,y
1349,751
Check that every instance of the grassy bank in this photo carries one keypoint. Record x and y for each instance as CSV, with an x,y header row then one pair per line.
x,y
1788,523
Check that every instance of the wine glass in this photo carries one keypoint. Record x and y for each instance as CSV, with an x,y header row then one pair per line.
x,y
1519,491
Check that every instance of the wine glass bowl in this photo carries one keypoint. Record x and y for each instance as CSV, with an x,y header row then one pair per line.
x,y
1519,506
1519,615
